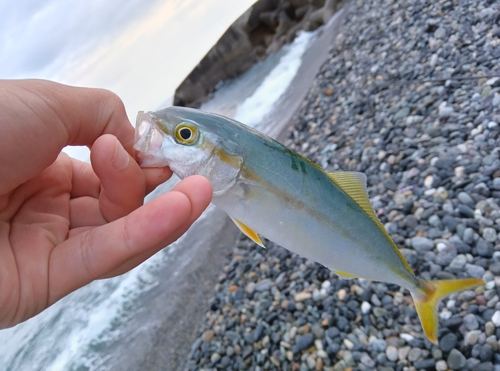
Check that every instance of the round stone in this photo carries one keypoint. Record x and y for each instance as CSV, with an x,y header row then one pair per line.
x,y
490,234
392,353
448,342
441,365
365,307
456,360
422,244
303,342
470,322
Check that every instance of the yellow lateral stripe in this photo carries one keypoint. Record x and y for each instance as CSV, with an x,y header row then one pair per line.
x,y
250,233
354,185
345,274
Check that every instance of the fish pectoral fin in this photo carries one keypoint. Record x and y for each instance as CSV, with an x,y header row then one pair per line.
x,y
345,275
249,232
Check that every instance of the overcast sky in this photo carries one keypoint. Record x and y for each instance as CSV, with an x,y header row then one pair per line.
x,y
140,49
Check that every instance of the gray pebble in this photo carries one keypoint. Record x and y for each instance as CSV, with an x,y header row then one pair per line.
x,y
264,285
456,360
448,342
391,353
495,268
475,271
422,244
446,256
367,361
490,234
466,199
470,322
303,342
458,263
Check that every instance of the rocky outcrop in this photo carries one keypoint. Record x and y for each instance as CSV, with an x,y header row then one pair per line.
x,y
261,30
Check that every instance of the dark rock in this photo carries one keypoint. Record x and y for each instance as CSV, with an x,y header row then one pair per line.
x,y
485,366
332,332
465,211
470,322
426,364
456,360
486,353
303,342
258,332
390,184
484,248
495,268
422,244
450,223
332,349
448,342
342,323
453,323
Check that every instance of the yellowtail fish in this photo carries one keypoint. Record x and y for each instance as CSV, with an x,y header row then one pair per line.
x,y
269,190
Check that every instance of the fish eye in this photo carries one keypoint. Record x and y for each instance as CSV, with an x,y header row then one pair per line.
x,y
186,133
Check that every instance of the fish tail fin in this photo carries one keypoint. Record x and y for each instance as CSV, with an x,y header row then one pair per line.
x,y
428,295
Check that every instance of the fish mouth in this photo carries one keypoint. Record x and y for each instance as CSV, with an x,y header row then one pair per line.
x,y
148,140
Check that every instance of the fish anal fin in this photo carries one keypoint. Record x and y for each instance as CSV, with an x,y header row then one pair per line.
x,y
426,301
345,275
249,232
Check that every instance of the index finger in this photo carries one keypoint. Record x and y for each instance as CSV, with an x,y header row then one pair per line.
x,y
39,118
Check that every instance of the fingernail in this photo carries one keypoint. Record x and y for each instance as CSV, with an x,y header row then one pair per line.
x,y
121,157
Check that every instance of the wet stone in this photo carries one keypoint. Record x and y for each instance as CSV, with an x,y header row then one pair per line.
x,y
486,353
465,211
303,342
391,353
470,322
466,199
426,364
475,271
490,234
484,248
422,244
446,256
495,268
448,342
264,285
456,360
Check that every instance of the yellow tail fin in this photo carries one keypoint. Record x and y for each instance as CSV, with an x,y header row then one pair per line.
x,y
426,301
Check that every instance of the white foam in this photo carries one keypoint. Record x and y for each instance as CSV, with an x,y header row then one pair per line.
x,y
97,322
256,107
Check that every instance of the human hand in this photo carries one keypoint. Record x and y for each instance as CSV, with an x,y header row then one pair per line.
x,y
63,222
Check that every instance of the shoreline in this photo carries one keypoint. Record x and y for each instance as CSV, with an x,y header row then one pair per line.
x,y
388,102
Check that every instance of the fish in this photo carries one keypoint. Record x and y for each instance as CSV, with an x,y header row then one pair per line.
x,y
271,191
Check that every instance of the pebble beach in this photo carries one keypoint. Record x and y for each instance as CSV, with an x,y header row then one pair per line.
x,y
410,96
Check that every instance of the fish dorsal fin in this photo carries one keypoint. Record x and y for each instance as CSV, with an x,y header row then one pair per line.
x,y
249,232
354,186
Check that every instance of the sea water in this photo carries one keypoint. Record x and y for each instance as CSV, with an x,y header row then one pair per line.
x,y
71,334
